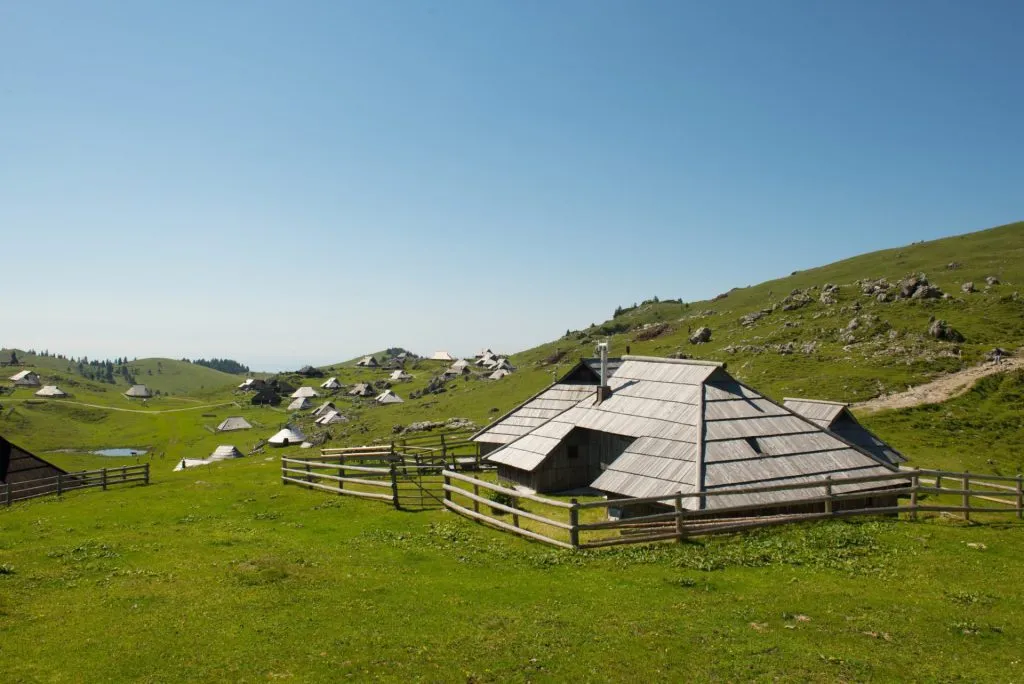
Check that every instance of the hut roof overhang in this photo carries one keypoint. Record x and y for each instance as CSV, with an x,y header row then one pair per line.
x,y
837,417
694,428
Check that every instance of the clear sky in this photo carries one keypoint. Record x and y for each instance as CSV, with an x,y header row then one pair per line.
x,y
301,182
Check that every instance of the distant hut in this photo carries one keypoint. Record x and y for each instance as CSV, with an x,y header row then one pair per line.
x,y
307,392
388,397
331,384
26,378
460,364
482,353
367,362
52,392
503,364
442,356
486,358
330,418
138,392
252,385
266,397
300,404
361,389
224,452
18,467
665,426
310,372
499,374
836,416
233,423
287,437
280,386
399,376
454,372
323,408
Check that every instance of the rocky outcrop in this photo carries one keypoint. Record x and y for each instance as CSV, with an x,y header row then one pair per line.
x,y
829,294
701,335
941,330
967,287
992,280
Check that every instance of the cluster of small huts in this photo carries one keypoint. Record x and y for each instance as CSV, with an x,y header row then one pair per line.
x,y
30,379
640,427
487,363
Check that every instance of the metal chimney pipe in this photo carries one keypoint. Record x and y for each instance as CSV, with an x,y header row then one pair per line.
x,y
602,348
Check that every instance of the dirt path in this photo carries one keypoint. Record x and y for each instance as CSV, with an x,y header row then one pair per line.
x,y
937,391
116,408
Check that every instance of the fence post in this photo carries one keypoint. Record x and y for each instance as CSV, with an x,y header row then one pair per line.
x,y
444,453
8,492
574,524
60,483
104,479
284,467
915,482
476,492
446,481
515,516
309,472
341,473
394,484
678,505
146,475
828,494
967,496
1020,496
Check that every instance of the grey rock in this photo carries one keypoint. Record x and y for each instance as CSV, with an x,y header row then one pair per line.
x,y
941,330
967,287
701,335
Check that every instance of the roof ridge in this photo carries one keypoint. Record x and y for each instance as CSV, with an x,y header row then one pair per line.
x,y
685,362
817,401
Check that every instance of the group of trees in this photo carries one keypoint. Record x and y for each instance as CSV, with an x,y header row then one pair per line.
x,y
224,365
104,371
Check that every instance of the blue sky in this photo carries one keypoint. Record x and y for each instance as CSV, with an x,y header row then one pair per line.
x,y
301,182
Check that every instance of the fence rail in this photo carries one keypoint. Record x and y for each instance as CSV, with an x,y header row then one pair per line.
x,y
405,486
66,482
556,522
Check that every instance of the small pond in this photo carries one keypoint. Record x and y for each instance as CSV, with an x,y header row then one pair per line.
x,y
120,452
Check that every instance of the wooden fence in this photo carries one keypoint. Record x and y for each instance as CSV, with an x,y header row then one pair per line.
x,y
66,482
584,525
375,473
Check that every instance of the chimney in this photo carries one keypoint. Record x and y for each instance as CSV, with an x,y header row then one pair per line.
x,y
603,390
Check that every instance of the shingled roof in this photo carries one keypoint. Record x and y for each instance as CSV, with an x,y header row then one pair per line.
x,y
695,428
577,383
836,416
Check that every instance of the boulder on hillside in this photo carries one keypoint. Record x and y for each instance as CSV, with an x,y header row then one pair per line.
x,y
795,300
992,280
967,287
752,317
941,330
953,265
701,335
927,292
829,292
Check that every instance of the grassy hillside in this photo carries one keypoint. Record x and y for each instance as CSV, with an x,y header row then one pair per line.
x,y
168,376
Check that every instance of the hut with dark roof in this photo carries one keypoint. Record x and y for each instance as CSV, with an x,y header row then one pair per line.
x,y
18,467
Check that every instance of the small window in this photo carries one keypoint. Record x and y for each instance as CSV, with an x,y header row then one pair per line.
x,y
572,451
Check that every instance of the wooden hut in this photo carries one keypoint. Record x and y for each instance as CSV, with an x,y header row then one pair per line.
x,y
836,417
387,396
310,372
306,392
233,423
252,385
324,408
26,378
442,355
361,389
138,392
18,467
399,376
665,426
300,404
266,397
367,362
51,392
330,384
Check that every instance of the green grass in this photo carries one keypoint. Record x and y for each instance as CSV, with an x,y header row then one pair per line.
x,y
225,574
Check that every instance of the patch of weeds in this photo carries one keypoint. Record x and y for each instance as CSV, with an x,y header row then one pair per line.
x,y
6,569
327,503
267,515
258,572
966,598
86,551
189,519
971,628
